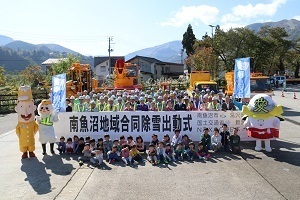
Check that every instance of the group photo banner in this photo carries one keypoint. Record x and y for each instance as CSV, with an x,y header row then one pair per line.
x,y
97,124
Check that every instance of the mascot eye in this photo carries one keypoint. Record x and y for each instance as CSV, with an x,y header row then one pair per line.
x,y
42,107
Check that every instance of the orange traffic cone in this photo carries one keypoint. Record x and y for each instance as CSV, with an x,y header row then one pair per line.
x,y
282,94
295,95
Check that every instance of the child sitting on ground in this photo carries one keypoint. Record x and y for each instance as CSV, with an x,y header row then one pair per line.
x,y
179,152
100,144
69,146
235,142
176,139
216,140
113,155
152,154
130,141
169,152
87,154
80,146
225,137
75,143
122,140
206,139
107,143
62,145
154,140
140,145
191,151
98,158
135,155
93,144
186,141
125,154
202,153
166,139
161,154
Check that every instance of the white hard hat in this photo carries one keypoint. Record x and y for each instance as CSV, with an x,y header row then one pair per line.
x,y
186,97
110,99
72,97
87,97
132,97
119,98
214,98
160,97
101,97
80,97
94,95
142,99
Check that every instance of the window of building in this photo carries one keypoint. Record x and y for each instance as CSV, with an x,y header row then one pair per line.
x,y
103,69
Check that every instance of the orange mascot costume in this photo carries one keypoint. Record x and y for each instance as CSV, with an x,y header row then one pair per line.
x,y
26,127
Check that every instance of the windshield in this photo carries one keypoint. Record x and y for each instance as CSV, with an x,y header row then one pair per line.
x,y
260,85
206,86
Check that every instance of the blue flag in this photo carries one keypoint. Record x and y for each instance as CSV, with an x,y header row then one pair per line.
x,y
242,78
58,96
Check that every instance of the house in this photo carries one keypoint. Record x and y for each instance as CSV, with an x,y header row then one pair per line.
x,y
156,69
50,62
101,69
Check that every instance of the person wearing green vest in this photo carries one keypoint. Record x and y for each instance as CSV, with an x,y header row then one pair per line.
x,y
95,99
101,105
93,107
160,104
80,107
133,102
120,105
110,106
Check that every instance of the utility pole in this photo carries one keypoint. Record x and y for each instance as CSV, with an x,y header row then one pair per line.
x,y
110,39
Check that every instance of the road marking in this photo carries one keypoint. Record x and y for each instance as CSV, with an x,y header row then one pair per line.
x,y
7,133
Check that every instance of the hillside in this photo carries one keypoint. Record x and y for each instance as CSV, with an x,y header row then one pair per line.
x,y
168,52
5,40
291,26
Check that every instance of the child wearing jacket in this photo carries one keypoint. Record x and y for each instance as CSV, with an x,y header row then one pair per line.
x,y
216,140
161,153
169,153
152,154
202,152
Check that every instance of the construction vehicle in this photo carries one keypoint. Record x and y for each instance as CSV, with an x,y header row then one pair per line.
x,y
126,76
80,78
202,81
258,84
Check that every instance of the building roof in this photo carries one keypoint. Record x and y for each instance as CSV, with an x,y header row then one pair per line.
x,y
148,59
101,59
52,61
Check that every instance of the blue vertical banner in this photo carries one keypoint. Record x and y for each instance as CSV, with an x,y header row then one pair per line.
x,y
242,78
58,96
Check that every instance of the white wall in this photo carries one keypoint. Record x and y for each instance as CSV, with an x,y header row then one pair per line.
x,y
99,70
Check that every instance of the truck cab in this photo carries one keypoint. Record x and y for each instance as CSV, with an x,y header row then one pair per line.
x,y
202,81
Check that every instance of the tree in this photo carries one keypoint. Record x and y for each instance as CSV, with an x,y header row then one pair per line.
x,y
2,77
188,40
61,67
32,75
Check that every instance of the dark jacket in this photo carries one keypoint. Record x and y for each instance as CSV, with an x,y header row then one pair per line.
x,y
230,107
180,107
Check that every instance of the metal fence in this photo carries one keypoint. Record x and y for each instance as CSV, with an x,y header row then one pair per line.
x,y
9,101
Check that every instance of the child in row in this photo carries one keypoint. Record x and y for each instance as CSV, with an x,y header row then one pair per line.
x,y
216,140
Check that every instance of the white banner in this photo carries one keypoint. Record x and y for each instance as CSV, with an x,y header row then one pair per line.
x,y
192,123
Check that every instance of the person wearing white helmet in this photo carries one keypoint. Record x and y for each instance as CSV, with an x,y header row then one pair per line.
x,y
85,92
93,107
101,103
110,106
80,107
142,106
204,104
133,102
95,98
149,101
186,100
160,104
120,104
214,105
72,102
87,100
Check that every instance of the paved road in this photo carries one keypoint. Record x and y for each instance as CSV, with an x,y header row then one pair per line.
x,y
253,175
8,122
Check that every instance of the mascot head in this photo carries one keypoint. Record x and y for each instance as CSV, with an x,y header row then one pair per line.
x,y
45,107
262,106
25,106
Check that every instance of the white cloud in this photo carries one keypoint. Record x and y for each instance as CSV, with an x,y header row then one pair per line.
x,y
250,11
297,17
241,14
205,14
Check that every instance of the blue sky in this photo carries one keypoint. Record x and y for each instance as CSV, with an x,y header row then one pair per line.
x,y
84,26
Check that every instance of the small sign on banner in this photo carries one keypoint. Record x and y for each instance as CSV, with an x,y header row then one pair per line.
x,y
192,123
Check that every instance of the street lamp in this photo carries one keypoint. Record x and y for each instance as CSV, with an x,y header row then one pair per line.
x,y
212,30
